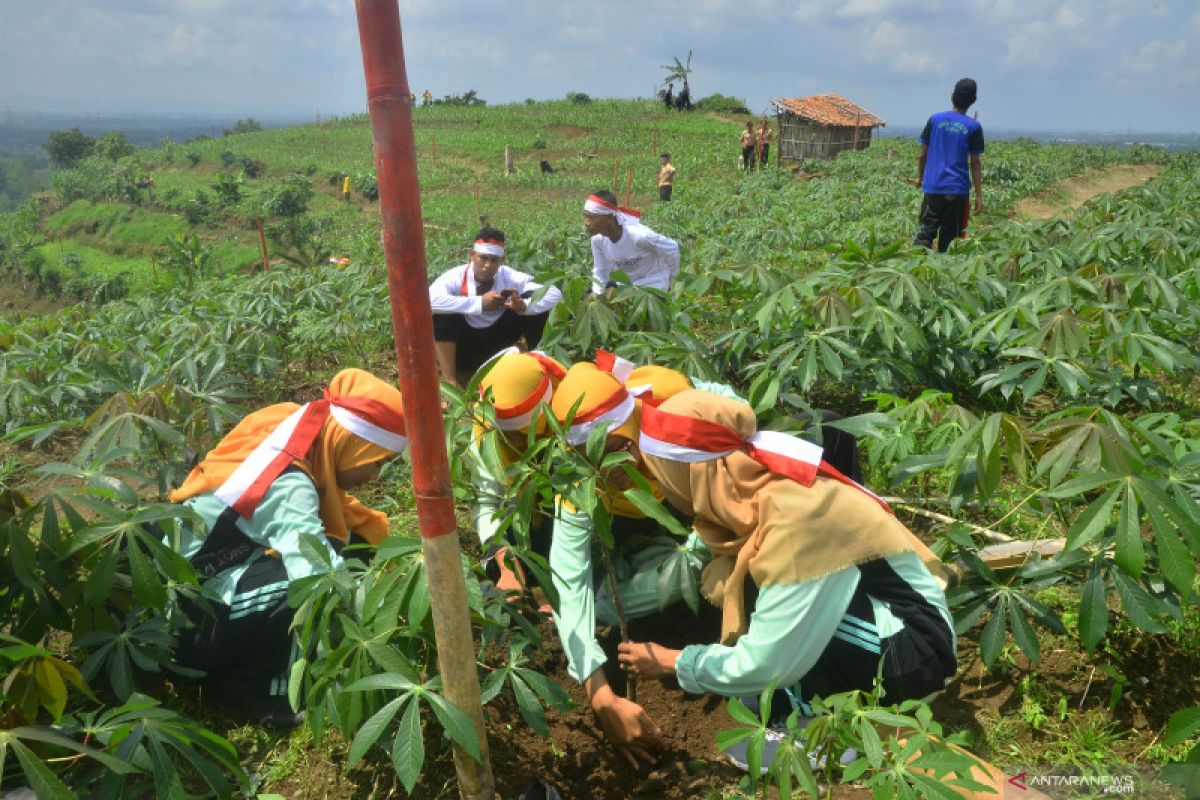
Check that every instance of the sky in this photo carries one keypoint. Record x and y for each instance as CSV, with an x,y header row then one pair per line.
x,y
1060,65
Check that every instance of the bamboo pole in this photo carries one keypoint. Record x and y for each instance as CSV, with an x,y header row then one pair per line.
x,y
412,327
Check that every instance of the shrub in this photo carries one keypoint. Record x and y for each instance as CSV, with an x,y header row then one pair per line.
x,y
227,188
722,104
95,178
288,198
578,98
367,185
114,146
198,210
193,157
248,125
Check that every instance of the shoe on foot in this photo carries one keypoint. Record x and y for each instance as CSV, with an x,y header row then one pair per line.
x,y
775,736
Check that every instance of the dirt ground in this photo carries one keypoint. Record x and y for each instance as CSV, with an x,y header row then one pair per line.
x,y
1078,189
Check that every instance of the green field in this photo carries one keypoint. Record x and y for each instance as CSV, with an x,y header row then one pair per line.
x,y
1039,381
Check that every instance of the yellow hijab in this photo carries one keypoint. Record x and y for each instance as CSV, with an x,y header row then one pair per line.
x,y
334,449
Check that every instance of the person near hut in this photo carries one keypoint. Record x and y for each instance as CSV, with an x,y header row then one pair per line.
x,y
666,178
485,306
273,499
668,96
749,141
621,242
763,141
949,164
821,587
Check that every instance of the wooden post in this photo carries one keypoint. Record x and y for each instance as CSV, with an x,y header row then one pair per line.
x,y
508,159
262,239
412,325
614,176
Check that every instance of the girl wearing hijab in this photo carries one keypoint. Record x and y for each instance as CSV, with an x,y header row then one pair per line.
x,y
281,476
516,385
817,580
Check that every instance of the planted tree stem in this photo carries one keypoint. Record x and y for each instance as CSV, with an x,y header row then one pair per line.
x,y
631,682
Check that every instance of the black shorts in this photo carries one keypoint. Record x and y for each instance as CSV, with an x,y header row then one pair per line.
x,y
477,345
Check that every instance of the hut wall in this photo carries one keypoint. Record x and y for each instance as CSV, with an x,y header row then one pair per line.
x,y
799,139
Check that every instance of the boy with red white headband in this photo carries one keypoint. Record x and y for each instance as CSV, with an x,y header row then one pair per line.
x,y
621,242
280,476
485,306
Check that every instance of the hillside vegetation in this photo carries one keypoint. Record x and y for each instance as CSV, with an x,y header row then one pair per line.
x,y
1039,381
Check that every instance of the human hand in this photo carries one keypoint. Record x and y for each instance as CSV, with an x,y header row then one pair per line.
x,y
513,300
628,727
492,300
646,659
919,182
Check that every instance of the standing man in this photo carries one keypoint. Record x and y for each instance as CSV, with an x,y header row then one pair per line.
x,y
666,178
620,242
748,142
483,307
764,143
426,98
950,142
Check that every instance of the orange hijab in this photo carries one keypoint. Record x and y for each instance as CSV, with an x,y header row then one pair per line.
x,y
334,449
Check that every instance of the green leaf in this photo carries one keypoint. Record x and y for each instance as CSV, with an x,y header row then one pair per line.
x,y
1141,608
531,710
1023,633
1183,726
991,641
1130,554
373,728
1093,611
45,784
456,723
408,750
737,709
649,505
1092,520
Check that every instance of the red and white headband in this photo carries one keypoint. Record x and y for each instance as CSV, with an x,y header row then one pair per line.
x,y
520,415
674,437
613,364
612,413
367,419
489,247
597,205
629,216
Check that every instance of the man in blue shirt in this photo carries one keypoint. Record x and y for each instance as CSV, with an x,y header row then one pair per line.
x,y
950,142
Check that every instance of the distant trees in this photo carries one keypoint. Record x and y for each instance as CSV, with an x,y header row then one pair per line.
x,y
66,148
248,125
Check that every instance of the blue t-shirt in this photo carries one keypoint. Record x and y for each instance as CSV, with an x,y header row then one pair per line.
x,y
951,137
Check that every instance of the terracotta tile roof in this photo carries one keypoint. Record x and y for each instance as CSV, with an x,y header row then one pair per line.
x,y
829,109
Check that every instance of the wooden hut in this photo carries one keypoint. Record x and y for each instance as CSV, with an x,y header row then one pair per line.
x,y
821,126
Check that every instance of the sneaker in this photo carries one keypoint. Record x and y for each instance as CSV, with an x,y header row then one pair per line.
x,y
737,754
775,736
282,720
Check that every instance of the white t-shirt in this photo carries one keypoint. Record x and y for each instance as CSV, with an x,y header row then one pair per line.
x,y
454,292
648,258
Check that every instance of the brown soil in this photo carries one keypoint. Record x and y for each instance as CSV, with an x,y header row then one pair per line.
x,y
569,131
18,301
1075,191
